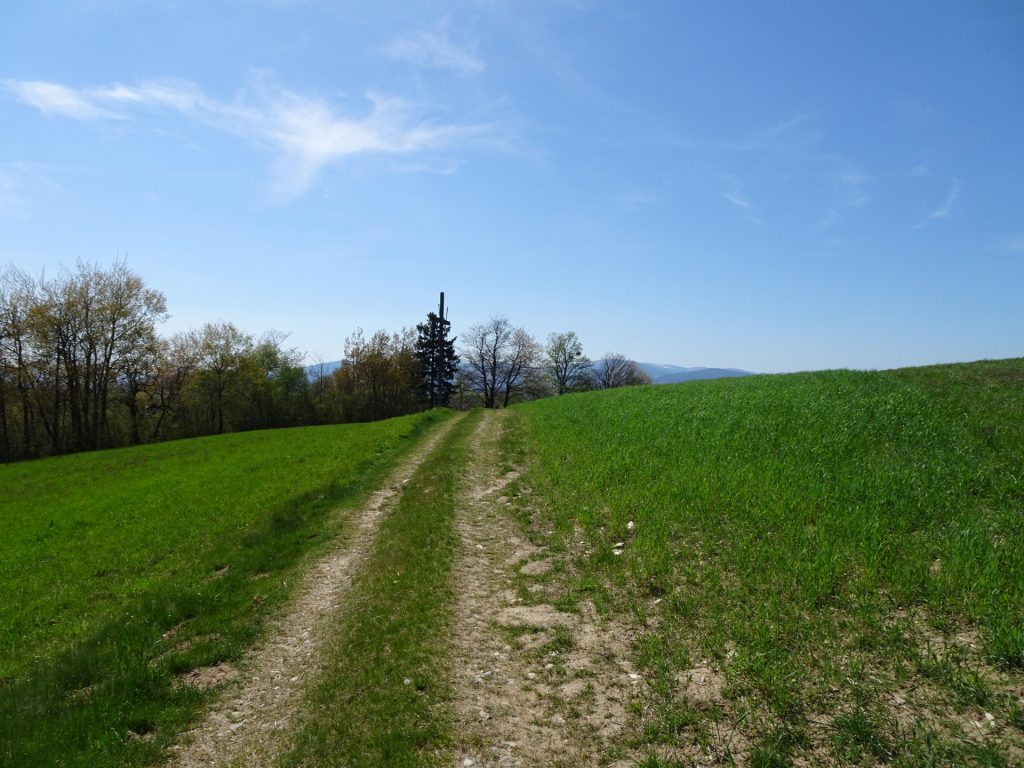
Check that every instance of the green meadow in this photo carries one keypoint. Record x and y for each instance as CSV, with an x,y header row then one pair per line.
x,y
122,570
819,568
844,551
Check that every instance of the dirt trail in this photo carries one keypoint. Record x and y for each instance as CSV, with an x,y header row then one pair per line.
x,y
248,725
534,686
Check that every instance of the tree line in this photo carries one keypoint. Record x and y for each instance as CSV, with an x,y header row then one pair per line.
x,y
503,364
83,366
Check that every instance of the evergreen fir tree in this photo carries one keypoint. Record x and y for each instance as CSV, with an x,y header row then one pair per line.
x,y
437,358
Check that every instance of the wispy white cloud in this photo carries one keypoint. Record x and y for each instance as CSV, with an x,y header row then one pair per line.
x,y
739,201
734,193
434,49
305,133
56,99
796,134
852,177
788,149
921,171
179,95
947,206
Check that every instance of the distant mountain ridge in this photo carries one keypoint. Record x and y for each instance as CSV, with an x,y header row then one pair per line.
x,y
660,374
322,369
674,374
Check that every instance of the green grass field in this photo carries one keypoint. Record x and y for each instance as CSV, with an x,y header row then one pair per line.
x,y
822,568
121,570
842,553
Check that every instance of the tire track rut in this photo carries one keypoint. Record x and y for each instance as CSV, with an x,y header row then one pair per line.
x,y
534,685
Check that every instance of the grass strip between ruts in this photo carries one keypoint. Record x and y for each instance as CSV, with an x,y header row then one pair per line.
x,y
381,699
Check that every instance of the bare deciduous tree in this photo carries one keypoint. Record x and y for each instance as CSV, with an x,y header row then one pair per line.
x,y
497,359
616,370
566,366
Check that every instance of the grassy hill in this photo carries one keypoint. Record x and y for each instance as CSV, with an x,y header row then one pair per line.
x,y
820,568
120,570
836,555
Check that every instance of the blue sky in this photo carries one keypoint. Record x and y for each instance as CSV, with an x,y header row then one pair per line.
x,y
774,187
